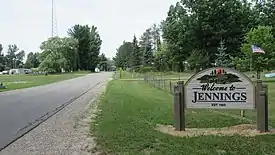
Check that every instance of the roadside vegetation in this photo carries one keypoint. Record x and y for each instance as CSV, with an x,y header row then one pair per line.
x,y
30,80
131,110
80,50
59,57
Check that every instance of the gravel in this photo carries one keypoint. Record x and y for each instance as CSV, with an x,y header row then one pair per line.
x,y
67,132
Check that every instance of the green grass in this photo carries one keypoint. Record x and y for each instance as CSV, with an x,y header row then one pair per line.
x,y
129,75
25,81
130,111
251,114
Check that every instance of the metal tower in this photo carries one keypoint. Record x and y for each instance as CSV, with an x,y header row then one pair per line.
x,y
54,20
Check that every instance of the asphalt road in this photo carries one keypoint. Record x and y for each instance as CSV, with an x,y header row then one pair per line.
x,y
19,108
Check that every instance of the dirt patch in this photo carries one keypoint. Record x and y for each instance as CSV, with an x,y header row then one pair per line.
x,y
243,130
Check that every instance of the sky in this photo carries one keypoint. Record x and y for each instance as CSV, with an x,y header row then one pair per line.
x,y
27,23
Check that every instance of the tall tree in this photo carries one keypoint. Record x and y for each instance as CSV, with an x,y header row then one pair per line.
x,y
69,51
136,56
264,10
57,54
177,32
2,59
11,55
110,64
29,61
146,46
198,60
19,59
223,18
89,44
94,48
163,59
103,62
262,37
155,32
223,58
123,55
82,34
14,58
1,47
201,25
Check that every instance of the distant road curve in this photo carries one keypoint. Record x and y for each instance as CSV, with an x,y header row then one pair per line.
x,y
21,110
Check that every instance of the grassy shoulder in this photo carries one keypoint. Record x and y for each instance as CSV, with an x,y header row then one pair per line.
x,y
130,111
25,81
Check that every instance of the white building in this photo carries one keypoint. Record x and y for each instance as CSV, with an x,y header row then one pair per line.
x,y
20,71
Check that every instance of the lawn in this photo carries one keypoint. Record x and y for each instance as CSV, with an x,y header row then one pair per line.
x,y
128,75
130,111
24,81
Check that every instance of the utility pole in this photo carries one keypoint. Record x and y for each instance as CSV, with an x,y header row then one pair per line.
x,y
54,20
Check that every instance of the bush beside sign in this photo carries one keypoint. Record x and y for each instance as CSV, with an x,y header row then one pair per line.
x,y
219,88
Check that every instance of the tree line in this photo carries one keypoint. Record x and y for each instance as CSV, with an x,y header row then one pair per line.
x,y
199,34
13,58
79,51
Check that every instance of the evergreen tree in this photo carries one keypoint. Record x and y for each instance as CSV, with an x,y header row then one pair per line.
x,y
136,54
2,59
14,57
102,62
89,44
32,60
223,58
123,55
146,44
148,57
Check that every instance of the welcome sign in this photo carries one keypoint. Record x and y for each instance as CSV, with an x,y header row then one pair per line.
x,y
220,88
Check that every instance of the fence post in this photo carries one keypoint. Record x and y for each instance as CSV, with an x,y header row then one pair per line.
x,y
164,85
181,84
145,78
156,80
242,113
159,83
153,81
170,87
263,111
257,97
